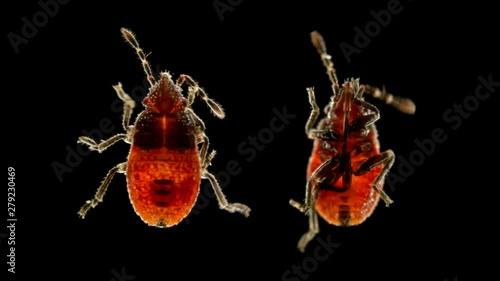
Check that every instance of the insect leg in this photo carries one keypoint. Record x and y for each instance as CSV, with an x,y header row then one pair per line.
x,y
128,106
205,157
313,229
196,90
314,112
402,104
311,190
386,159
362,123
311,132
120,168
309,205
318,174
202,138
100,147
221,198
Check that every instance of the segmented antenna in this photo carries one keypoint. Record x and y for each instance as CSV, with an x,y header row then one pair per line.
x,y
130,38
404,105
319,43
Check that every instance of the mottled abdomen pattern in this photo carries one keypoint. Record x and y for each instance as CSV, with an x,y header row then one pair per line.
x,y
163,184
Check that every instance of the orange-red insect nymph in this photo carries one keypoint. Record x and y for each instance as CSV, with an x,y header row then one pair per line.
x,y
169,150
346,170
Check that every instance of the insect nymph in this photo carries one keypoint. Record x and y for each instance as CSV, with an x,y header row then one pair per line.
x,y
165,164
346,170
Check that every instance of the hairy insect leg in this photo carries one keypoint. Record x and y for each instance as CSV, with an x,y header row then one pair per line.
x,y
311,233
201,138
221,198
386,159
402,104
311,197
314,112
204,156
194,90
120,168
197,120
365,121
206,160
311,132
128,106
318,174
309,207
104,144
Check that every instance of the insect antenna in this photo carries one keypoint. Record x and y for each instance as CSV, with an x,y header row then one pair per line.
x,y
402,104
130,38
319,43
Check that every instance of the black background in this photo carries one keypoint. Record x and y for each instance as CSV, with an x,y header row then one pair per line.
x,y
259,57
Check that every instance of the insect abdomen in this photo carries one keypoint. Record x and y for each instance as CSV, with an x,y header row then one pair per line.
x,y
354,205
163,172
